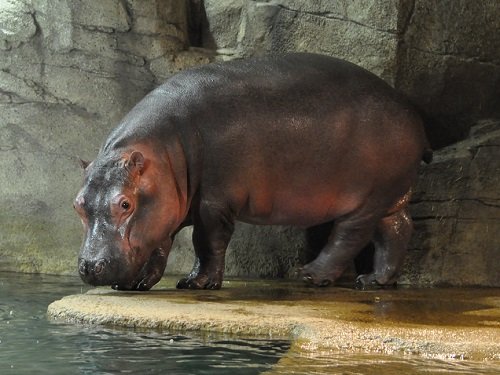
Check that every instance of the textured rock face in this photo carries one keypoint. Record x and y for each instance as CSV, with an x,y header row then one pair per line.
x,y
456,210
449,64
70,69
364,32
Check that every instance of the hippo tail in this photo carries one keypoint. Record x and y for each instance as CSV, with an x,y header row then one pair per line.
x,y
427,155
425,119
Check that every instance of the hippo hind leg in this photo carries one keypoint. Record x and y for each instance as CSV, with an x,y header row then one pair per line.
x,y
391,241
349,235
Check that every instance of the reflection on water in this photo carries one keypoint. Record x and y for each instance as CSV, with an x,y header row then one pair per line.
x,y
30,344
378,364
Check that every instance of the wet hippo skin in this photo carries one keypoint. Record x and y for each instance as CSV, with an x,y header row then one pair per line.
x,y
299,139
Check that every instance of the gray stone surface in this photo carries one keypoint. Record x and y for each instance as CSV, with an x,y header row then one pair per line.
x,y
449,64
362,31
456,208
16,24
69,70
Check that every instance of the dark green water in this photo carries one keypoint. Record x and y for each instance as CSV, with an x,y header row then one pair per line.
x,y
31,344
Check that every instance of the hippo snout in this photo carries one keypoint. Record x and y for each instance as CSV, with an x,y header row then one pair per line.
x,y
120,275
96,272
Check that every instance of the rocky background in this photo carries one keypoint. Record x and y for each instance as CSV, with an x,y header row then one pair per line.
x,y
70,69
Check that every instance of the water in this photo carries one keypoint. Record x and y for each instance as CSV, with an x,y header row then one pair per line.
x,y
31,344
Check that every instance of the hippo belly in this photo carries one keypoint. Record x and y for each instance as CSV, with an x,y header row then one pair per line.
x,y
305,207
303,213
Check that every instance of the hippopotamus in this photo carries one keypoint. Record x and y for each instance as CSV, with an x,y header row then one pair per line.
x,y
297,139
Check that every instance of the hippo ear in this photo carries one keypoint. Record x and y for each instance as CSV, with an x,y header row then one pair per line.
x,y
83,163
136,161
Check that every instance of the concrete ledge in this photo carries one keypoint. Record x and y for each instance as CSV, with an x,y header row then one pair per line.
x,y
435,323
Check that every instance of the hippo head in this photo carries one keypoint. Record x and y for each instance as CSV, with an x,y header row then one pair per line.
x,y
128,224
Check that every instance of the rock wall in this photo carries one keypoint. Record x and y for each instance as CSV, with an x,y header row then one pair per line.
x,y
449,64
70,69
364,32
456,209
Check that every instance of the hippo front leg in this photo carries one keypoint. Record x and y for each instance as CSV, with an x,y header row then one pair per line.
x,y
212,231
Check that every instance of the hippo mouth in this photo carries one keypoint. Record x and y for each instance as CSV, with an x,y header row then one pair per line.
x,y
150,273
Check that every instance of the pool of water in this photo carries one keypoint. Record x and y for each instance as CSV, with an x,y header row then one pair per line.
x,y
31,344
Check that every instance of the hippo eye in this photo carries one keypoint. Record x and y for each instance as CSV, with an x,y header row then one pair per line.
x,y
125,205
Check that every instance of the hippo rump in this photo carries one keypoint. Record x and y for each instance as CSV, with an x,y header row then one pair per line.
x,y
298,139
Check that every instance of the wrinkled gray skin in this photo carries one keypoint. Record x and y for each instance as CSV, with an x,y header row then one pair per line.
x,y
300,139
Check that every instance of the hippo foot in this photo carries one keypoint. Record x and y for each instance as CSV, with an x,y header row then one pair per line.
x,y
311,277
199,282
369,282
142,286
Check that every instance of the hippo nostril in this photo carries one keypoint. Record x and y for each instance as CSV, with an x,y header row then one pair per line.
x,y
99,267
83,268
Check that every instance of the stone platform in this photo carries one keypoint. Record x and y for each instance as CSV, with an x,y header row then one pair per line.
x,y
434,323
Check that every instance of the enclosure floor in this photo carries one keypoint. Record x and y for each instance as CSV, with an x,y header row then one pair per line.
x,y
437,323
